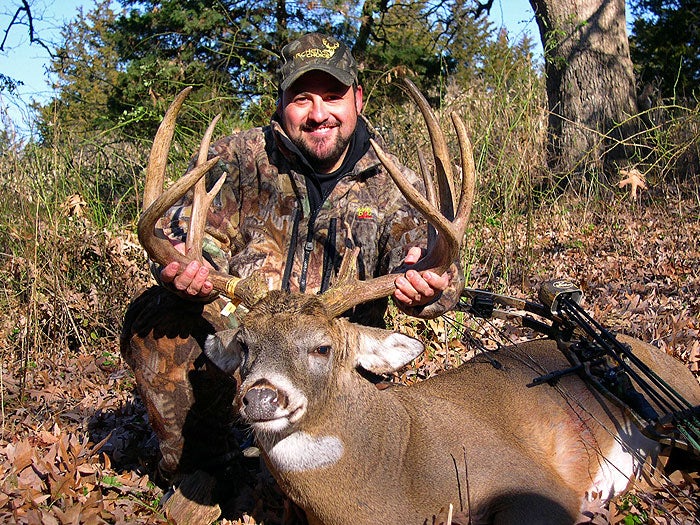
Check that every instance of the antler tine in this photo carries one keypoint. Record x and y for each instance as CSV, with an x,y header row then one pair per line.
x,y
466,197
443,163
202,199
159,248
348,292
430,194
428,181
157,160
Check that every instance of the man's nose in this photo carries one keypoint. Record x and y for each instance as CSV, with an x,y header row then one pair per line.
x,y
319,111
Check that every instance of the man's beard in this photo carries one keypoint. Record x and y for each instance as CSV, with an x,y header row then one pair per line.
x,y
329,158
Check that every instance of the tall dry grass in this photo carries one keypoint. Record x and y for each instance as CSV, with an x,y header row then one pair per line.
x,y
507,126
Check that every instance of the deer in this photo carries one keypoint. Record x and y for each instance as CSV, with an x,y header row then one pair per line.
x,y
475,437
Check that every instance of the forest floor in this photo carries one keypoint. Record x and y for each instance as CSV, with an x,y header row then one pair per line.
x,y
76,446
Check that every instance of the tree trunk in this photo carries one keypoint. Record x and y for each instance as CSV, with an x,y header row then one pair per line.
x,y
369,9
590,84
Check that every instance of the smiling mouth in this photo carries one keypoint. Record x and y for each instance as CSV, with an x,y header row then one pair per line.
x,y
324,128
320,132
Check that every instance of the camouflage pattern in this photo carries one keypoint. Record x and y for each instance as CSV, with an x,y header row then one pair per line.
x,y
250,229
252,216
315,51
189,401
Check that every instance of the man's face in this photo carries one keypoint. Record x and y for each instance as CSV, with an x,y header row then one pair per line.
x,y
319,115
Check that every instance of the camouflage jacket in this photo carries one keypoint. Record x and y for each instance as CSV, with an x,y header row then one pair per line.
x,y
261,220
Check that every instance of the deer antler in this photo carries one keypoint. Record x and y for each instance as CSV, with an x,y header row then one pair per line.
x,y
202,198
444,249
157,202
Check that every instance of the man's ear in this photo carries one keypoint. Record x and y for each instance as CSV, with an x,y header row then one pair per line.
x,y
359,104
383,351
278,105
223,350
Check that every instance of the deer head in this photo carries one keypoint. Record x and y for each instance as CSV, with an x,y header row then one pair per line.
x,y
293,354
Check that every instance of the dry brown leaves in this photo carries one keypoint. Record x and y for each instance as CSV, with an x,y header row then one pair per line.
x,y
76,447
59,443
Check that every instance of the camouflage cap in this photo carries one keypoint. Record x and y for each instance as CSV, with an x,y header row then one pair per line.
x,y
313,52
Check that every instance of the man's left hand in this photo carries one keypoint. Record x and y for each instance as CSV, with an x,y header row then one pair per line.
x,y
418,288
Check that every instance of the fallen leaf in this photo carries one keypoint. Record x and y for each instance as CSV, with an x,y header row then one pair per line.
x,y
635,179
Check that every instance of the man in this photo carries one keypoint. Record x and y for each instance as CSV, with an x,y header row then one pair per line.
x,y
297,193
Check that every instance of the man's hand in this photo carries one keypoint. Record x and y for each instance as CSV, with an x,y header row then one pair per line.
x,y
192,281
418,288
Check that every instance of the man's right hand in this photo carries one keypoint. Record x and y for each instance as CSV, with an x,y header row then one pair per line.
x,y
193,279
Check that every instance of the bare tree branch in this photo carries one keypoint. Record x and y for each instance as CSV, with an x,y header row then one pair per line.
x,y
33,39
481,7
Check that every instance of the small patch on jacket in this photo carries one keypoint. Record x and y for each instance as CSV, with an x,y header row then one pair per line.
x,y
364,212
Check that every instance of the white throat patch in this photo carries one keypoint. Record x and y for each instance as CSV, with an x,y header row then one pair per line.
x,y
300,452
622,463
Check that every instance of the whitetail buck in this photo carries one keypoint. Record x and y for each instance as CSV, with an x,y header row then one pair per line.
x,y
476,437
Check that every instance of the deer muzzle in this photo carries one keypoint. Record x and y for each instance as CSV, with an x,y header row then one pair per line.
x,y
263,402
271,408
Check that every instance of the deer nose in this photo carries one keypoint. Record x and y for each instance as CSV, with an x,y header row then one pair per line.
x,y
261,403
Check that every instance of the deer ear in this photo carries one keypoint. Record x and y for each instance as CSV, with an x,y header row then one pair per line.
x,y
223,350
381,351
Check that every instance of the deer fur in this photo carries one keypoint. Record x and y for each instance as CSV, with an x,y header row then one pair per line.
x,y
348,452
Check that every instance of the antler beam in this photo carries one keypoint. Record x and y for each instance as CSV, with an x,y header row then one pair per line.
x,y
348,291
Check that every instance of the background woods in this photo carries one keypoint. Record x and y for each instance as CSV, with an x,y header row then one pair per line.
x,y
551,133
590,83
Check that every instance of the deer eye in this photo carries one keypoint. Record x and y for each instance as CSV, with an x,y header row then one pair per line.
x,y
322,350
243,348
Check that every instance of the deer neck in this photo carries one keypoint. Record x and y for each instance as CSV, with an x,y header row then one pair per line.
x,y
365,419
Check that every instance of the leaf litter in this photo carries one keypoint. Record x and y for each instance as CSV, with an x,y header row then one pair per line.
x,y
76,447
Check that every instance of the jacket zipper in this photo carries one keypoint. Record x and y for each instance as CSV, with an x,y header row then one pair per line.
x,y
292,247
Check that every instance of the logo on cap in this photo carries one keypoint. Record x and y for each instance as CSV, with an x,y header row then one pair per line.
x,y
327,52
315,51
